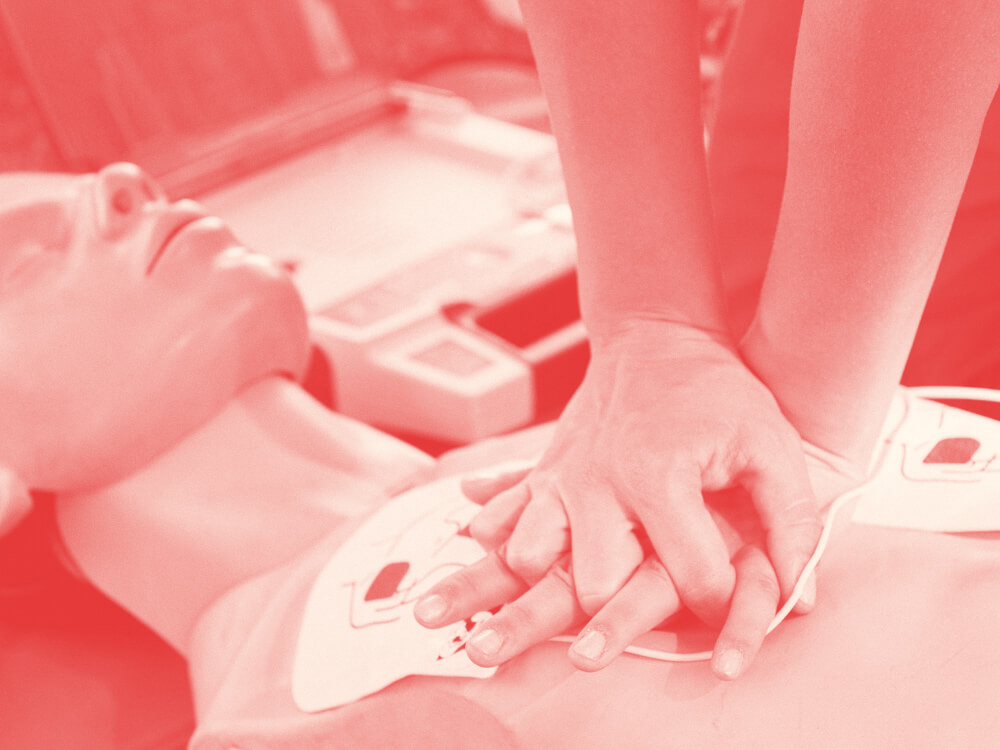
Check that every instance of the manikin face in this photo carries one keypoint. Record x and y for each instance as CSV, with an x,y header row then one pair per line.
x,y
126,321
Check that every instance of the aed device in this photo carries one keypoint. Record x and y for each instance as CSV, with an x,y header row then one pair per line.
x,y
426,239
480,339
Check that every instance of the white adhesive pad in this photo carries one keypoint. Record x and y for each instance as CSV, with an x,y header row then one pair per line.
x,y
940,469
358,631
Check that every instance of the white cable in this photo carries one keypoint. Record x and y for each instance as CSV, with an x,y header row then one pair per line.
x,y
927,392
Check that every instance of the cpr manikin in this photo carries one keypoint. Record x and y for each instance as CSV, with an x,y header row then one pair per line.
x,y
128,322
218,526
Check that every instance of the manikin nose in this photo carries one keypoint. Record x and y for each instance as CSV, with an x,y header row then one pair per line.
x,y
123,190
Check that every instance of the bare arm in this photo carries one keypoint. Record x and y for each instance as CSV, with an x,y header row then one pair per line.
x,y
623,87
667,410
887,106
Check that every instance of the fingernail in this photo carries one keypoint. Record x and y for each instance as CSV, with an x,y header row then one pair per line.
x,y
430,608
487,641
591,645
729,663
808,598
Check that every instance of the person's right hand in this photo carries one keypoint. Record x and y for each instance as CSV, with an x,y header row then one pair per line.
x,y
549,608
665,412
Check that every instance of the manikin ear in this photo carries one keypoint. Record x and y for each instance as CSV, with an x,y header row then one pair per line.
x,y
15,500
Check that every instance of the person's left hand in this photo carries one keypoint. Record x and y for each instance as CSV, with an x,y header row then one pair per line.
x,y
549,608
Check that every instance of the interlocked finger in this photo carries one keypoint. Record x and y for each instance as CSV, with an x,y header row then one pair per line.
x,y
540,538
781,492
494,523
754,604
647,599
688,542
606,550
482,489
547,609
481,586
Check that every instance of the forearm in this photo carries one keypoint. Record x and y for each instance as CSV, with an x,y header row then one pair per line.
x,y
623,90
885,117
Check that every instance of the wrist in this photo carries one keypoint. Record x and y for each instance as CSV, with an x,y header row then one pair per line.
x,y
830,410
610,333
783,375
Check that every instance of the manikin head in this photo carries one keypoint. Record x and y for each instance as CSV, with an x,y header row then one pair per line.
x,y
126,321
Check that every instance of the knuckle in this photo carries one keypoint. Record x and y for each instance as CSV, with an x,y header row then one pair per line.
x,y
593,600
762,583
527,564
592,596
802,534
485,529
618,616
675,460
638,473
709,588
800,517
560,575
681,475
456,587
596,586
514,619
655,574
560,580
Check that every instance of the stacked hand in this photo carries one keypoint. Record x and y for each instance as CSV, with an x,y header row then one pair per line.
x,y
665,414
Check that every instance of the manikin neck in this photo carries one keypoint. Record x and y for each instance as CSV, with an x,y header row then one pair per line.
x,y
269,476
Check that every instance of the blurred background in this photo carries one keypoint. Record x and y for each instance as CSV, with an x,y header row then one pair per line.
x,y
95,81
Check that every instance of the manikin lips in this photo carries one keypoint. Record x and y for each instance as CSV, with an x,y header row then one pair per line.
x,y
168,228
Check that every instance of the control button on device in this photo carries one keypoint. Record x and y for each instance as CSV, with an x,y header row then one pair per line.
x,y
452,357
